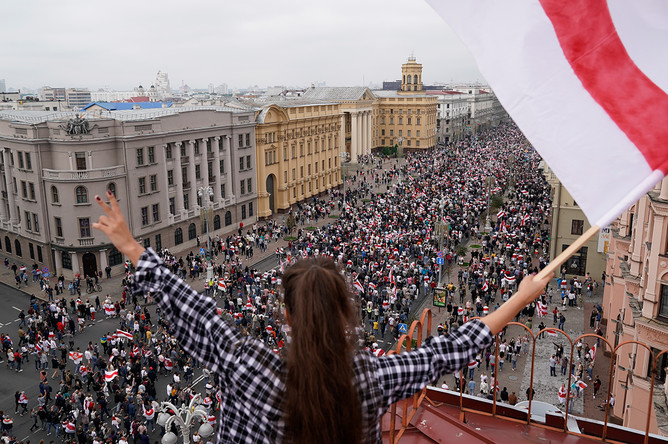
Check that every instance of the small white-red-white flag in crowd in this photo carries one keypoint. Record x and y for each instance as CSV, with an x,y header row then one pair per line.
x,y
592,353
372,285
581,384
211,419
70,427
485,286
563,65
76,356
473,364
109,375
551,332
525,219
222,285
379,352
500,214
460,311
485,310
123,334
149,414
358,285
83,370
562,394
169,364
23,399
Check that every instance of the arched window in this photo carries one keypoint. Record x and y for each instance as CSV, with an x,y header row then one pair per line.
x,y
17,247
178,236
192,232
82,195
8,245
54,195
228,218
216,222
112,187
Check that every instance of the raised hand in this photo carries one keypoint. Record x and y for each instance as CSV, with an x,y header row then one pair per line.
x,y
113,224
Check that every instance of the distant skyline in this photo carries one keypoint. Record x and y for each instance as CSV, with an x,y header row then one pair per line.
x,y
120,45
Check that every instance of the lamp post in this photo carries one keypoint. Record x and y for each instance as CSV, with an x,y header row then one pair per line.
x,y
184,418
400,151
206,194
345,158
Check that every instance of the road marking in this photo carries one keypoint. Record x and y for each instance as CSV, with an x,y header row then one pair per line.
x,y
1,325
100,321
17,309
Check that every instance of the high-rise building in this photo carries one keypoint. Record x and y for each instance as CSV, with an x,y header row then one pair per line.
x,y
162,85
156,161
77,97
3,85
55,94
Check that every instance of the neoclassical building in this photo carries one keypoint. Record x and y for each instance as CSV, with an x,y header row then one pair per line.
x,y
162,164
298,150
635,308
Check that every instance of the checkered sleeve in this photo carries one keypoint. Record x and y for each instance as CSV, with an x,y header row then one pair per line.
x,y
201,332
402,375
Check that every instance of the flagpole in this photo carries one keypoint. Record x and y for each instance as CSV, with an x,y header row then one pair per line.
x,y
568,252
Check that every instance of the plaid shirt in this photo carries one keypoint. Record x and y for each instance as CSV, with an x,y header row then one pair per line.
x,y
252,374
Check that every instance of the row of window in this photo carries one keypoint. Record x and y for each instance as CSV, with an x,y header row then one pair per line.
x,y
401,121
406,142
310,185
401,133
400,111
18,251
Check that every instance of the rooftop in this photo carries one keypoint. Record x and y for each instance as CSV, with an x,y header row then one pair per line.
x,y
334,93
121,106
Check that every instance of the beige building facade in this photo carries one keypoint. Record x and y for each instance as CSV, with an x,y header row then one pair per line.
x,y
161,164
635,307
568,223
299,145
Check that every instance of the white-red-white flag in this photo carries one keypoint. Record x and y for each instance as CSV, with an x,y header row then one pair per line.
x,y
564,71
123,334
76,356
109,375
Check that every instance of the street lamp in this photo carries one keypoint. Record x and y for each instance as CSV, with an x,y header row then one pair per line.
x,y
192,411
206,195
400,152
345,157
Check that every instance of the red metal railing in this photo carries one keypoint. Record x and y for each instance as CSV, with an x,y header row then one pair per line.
x,y
411,405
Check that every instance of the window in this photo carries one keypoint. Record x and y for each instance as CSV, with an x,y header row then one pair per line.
x,y
54,195
153,182
28,221
111,187
401,120
248,139
142,185
59,226
144,216
216,222
140,156
228,218
285,177
17,248
20,154
35,222
192,232
249,185
8,245
301,171
28,162
182,149
221,166
31,250
577,264
39,254
170,177
168,151
178,236
418,119
184,174
151,154
171,205
24,189
81,195
66,260
31,189
209,169
241,163
84,227
243,211
158,242
241,140
156,212
222,191
250,209
196,147
243,187
409,133
198,172
577,226
248,162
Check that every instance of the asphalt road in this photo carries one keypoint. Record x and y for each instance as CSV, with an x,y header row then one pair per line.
x,y
11,302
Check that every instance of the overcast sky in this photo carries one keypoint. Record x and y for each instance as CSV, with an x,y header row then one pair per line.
x,y
120,44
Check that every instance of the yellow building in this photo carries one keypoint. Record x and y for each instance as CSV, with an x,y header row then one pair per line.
x,y
407,117
298,144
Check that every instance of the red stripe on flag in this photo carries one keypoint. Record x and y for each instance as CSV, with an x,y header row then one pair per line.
x,y
591,45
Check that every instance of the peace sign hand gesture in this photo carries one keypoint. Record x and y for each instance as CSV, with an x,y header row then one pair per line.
x,y
114,225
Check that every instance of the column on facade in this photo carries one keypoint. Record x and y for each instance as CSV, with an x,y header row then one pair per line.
x,y
13,217
58,255
3,206
370,136
90,159
103,259
228,171
354,137
342,148
216,168
367,128
178,179
363,130
69,158
360,133
192,195
652,274
75,262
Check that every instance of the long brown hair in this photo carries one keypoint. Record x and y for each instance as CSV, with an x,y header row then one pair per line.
x,y
321,403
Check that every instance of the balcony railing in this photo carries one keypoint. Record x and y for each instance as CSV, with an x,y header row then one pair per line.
x,y
413,410
86,241
79,175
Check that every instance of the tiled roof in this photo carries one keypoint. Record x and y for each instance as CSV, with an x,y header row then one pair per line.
x,y
122,106
335,93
